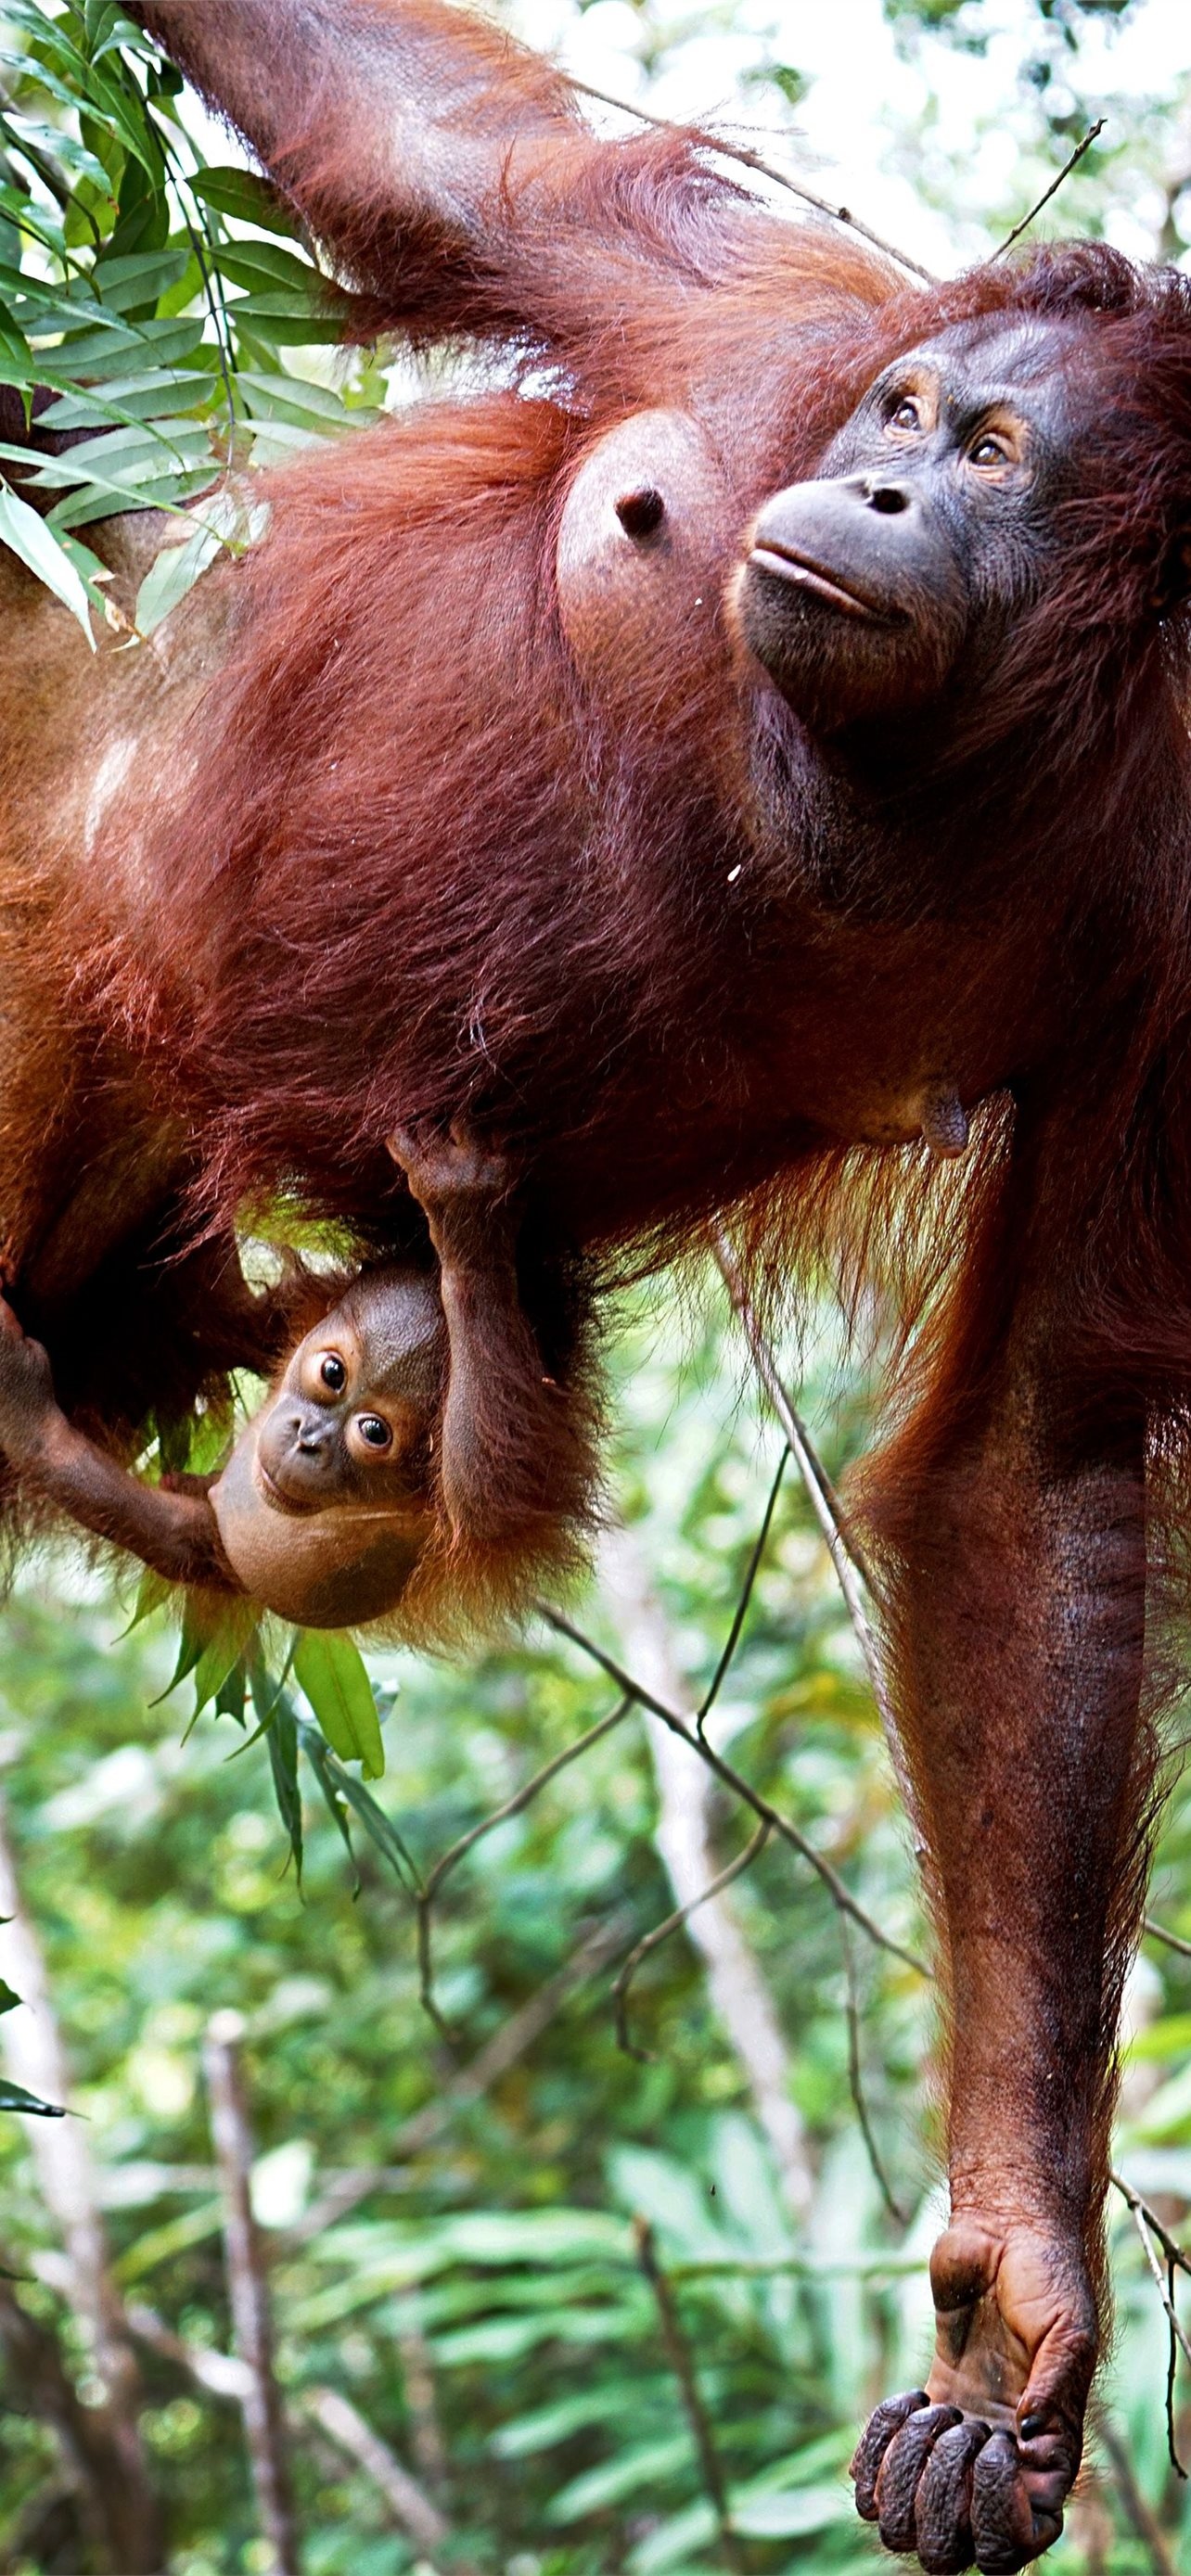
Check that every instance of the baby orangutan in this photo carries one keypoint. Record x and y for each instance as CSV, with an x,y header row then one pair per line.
x,y
375,1444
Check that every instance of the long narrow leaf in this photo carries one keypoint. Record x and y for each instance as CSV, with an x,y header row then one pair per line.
x,y
38,548
332,1673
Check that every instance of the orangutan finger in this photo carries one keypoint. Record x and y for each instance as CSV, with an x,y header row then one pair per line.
x,y
886,2420
901,2468
942,2506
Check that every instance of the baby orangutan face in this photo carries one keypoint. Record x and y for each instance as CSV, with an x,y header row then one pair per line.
x,y
323,1507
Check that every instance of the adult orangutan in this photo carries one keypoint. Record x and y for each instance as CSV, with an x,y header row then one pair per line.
x,y
724,764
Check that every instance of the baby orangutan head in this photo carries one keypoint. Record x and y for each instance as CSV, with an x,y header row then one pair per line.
x,y
323,1508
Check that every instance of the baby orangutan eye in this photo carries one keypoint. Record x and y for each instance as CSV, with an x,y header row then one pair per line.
x,y
333,1373
373,1430
988,451
907,415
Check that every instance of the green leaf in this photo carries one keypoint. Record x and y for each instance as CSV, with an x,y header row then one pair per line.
x,y
793,2515
14,348
282,1740
38,547
241,193
13,2097
325,1770
8,2001
113,351
282,321
171,575
191,1647
146,394
332,1673
290,398
232,1692
265,267
221,1655
138,278
380,1829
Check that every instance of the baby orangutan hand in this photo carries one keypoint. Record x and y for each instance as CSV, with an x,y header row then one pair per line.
x,y
462,1186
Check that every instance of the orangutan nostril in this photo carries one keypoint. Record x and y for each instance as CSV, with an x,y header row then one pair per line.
x,y
888,499
640,512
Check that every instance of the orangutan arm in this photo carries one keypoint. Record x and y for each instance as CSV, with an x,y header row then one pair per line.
x,y
447,169
1021,1620
512,1455
390,122
174,1532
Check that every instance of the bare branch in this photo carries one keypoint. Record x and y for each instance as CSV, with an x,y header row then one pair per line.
x,y
662,1931
1148,2225
900,2216
842,1547
264,2423
678,2354
1069,164
412,2509
1137,2511
493,2060
35,2056
513,1806
91,2439
1158,1932
224,2375
751,160
743,1788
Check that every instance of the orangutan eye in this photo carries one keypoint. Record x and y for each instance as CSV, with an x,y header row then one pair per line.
x,y
333,1373
988,451
374,1431
907,415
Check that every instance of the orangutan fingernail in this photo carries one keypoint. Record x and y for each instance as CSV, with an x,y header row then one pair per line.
x,y
1031,2426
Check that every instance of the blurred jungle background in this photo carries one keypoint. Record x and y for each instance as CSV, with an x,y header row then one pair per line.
x,y
413,2215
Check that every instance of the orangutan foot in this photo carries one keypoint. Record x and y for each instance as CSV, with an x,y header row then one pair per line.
x,y
976,2465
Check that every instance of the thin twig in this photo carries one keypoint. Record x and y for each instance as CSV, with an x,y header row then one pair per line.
x,y
1174,2252
732,1640
1145,2220
1044,200
842,1546
498,2054
841,1895
264,2422
1137,2511
414,2512
426,1893
751,160
678,2354
223,2375
900,2216
662,1931
1158,1932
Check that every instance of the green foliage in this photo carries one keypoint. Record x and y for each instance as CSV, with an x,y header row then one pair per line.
x,y
482,2292
450,2202
150,297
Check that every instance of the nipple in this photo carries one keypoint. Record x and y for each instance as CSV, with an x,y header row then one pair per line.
x,y
944,1121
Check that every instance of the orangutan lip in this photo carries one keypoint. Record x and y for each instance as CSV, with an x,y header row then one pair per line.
x,y
273,1494
811,576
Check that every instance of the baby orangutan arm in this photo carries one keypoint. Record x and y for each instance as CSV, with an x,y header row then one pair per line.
x,y
503,1422
175,1533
